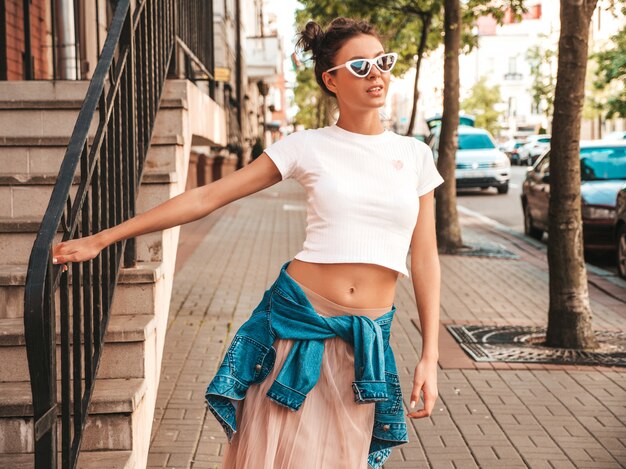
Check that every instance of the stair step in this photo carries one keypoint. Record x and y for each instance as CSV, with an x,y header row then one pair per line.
x,y
27,195
50,121
125,328
32,91
71,104
64,140
50,109
50,179
126,336
109,424
43,155
109,396
86,460
134,293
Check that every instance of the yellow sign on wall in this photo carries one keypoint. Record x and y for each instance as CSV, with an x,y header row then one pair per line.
x,y
222,74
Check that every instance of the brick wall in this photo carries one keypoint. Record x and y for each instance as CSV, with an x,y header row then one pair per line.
x,y
40,39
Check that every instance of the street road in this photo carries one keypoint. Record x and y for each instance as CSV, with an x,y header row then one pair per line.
x,y
507,209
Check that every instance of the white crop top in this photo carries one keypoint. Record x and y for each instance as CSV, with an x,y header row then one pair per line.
x,y
362,192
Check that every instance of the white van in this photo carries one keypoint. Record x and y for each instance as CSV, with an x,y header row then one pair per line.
x,y
479,162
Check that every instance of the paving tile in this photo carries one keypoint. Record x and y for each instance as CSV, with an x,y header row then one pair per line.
x,y
509,415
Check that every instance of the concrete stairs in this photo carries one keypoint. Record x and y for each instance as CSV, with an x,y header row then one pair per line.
x,y
36,120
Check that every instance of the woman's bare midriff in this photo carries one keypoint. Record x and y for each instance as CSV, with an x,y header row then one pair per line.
x,y
355,285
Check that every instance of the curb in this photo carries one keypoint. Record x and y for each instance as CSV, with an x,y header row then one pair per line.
x,y
608,282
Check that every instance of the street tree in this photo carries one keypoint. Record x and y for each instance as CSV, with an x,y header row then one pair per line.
x,y
542,60
314,107
569,314
449,238
398,21
411,28
596,101
482,103
447,218
611,74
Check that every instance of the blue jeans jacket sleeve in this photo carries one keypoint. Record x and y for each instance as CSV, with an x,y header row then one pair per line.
x,y
293,383
284,312
249,359
295,319
369,383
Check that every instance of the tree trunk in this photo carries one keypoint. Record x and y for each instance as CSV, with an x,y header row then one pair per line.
x,y
426,20
569,315
448,228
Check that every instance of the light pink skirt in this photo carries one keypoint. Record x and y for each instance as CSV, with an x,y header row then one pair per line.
x,y
330,430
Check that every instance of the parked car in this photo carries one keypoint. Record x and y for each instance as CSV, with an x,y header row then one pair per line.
x,y
479,163
618,135
435,121
511,149
620,232
603,174
534,146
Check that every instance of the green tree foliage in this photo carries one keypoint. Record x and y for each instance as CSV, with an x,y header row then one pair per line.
x,y
314,106
471,10
542,62
400,23
482,103
611,76
396,21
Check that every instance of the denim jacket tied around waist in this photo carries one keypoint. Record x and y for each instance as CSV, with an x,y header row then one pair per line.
x,y
286,313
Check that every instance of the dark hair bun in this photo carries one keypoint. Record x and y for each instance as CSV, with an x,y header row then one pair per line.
x,y
311,38
324,45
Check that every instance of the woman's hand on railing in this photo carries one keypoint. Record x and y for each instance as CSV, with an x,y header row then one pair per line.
x,y
77,250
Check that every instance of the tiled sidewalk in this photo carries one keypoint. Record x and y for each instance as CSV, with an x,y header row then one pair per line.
x,y
510,416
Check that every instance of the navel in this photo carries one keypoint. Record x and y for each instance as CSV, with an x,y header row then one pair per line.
x,y
351,290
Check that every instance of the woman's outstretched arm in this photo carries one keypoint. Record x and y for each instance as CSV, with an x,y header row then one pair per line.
x,y
184,208
425,270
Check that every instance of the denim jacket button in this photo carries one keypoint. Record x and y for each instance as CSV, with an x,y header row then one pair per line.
x,y
385,428
258,367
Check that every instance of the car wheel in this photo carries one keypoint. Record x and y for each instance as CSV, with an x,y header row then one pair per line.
x,y
621,251
503,188
529,229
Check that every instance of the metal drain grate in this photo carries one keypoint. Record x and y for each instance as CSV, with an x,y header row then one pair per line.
x,y
486,249
524,344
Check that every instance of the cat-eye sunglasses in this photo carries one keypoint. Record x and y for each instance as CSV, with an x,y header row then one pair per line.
x,y
361,67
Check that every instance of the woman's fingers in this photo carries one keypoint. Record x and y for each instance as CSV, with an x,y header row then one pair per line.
x,y
429,402
75,250
67,252
417,414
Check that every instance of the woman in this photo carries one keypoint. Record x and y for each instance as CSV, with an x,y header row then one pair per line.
x,y
370,195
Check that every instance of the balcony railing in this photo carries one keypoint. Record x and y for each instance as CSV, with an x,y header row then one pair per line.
x,y
123,97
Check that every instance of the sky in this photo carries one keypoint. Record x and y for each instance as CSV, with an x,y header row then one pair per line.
x,y
285,14
285,11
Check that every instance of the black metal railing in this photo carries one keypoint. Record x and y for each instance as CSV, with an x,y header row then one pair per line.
x,y
195,36
123,99
195,31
